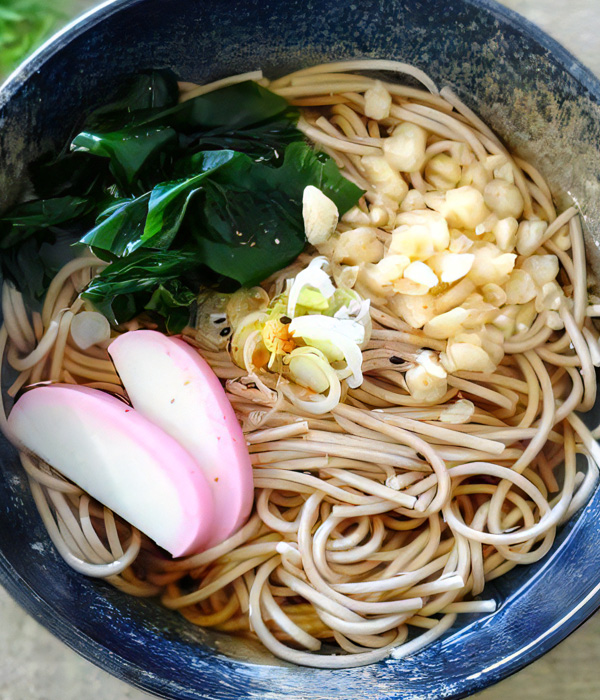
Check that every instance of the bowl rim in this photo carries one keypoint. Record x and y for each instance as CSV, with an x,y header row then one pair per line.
x,y
95,15
100,654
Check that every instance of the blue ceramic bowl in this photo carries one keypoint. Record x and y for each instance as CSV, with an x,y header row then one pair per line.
x,y
531,91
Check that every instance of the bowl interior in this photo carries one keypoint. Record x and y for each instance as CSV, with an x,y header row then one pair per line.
x,y
530,91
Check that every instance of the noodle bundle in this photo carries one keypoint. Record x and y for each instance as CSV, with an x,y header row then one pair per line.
x,y
381,520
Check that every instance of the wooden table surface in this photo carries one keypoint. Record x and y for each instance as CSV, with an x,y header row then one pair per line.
x,y
36,666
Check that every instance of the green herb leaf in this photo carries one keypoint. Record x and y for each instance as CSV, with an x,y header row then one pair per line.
x,y
169,200
248,117
36,239
129,151
145,94
79,174
303,166
246,218
251,221
172,301
123,288
32,264
265,142
168,215
229,109
119,228
27,219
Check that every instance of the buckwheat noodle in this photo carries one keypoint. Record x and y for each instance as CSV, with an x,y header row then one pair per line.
x,y
378,523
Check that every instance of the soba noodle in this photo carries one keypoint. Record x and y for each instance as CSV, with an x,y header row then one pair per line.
x,y
379,522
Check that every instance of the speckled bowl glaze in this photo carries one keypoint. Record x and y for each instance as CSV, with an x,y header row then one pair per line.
x,y
531,91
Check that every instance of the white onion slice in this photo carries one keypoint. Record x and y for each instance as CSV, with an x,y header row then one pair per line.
x,y
312,276
89,328
346,336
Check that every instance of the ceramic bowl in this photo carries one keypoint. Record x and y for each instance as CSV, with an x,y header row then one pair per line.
x,y
526,87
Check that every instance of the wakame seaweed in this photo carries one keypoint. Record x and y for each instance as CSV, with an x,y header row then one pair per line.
x,y
172,194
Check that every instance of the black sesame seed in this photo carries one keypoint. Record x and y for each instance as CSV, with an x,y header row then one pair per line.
x,y
218,321
285,319
225,332
396,360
